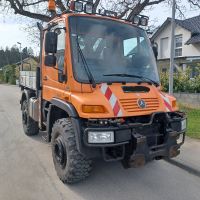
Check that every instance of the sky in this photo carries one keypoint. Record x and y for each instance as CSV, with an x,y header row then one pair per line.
x,y
12,29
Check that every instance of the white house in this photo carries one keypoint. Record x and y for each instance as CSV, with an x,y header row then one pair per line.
x,y
187,42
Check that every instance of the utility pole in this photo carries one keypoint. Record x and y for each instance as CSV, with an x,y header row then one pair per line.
x,y
20,48
171,71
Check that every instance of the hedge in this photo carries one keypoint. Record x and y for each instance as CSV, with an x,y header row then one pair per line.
x,y
182,82
8,74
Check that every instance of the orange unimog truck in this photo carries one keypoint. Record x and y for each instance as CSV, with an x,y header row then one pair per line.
x,y
97,94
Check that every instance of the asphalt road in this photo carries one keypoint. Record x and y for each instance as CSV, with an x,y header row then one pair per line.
x,y
27,171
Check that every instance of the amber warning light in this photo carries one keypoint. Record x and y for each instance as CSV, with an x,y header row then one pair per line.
x,y
52,6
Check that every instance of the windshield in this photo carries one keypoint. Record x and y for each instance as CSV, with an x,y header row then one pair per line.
x,y
110,47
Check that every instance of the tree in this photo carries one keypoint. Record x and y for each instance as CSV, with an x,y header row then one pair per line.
x,y
30,51
37,9
24,53
12,56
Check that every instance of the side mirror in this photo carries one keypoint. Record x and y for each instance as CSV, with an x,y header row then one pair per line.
x,y
51,40
50,60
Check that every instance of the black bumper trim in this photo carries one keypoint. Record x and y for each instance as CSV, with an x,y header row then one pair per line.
x,y
149,152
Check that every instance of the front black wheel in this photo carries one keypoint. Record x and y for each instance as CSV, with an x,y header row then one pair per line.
x,y
30,126
70,165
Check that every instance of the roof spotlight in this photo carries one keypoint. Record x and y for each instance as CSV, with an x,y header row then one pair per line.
x,y
78,6
107,13
144,21
110,13
136,20
88,8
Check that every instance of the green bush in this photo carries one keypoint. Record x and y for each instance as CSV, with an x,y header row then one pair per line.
x,y
182,82
9,74
1,76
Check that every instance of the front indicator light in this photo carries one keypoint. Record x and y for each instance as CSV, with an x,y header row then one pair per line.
x,y
93,109
95,137
174,104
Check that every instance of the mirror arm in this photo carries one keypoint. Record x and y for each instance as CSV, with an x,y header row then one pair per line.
x,y
63,28
60,70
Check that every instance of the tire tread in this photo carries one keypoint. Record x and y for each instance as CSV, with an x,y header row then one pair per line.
x,y
78,166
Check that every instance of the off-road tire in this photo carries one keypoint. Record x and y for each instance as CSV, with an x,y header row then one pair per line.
x,y
70,165
29,125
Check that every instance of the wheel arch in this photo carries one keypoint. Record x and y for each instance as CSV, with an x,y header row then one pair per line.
x,y
59,109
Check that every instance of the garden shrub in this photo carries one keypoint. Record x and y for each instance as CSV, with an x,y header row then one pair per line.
x,y
182,82
9,74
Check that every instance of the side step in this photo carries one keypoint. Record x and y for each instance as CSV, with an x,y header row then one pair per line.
x,y
44,136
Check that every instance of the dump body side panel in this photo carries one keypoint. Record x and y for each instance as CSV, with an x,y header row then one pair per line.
x,y
28,79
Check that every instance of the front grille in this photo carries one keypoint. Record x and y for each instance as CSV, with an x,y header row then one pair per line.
x,y
131,105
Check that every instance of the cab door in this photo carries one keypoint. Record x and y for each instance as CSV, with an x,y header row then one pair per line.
x,y
55,78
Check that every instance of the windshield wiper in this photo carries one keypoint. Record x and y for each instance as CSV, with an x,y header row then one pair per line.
x,y
144,79
86,67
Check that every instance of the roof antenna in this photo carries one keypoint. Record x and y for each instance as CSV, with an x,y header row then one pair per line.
x,y
52,8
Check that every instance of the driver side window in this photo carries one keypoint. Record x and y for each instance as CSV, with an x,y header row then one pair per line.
x,y
60,55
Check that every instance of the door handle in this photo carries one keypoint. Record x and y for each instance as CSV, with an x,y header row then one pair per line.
x,y
45,78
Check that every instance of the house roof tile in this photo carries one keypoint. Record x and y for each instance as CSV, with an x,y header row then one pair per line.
x,y
194,39
191,24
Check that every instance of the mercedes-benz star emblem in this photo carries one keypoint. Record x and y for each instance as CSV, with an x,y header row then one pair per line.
x,y
141,103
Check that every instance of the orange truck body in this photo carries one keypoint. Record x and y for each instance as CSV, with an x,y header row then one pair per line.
x,y
144,125
80,94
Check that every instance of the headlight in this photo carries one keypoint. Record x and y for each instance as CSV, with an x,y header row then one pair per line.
x,y
183,124
100,137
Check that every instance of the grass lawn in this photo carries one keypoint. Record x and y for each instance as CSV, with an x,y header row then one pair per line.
x,y
193,116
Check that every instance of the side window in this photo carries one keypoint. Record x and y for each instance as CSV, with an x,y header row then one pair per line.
x,y
61,47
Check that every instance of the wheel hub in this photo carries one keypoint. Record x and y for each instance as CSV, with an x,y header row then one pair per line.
x,y
60,152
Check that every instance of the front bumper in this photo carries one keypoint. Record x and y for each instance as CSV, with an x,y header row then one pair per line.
x,y
137,143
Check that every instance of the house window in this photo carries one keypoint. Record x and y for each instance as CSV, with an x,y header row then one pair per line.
x,y
164,45
178,45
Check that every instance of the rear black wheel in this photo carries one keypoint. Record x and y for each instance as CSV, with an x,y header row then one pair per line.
x,y
70,165
30,126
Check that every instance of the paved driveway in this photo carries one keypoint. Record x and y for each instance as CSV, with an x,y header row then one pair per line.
x,y
27,171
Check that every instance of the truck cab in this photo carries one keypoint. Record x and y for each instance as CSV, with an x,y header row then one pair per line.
x,y
97,94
